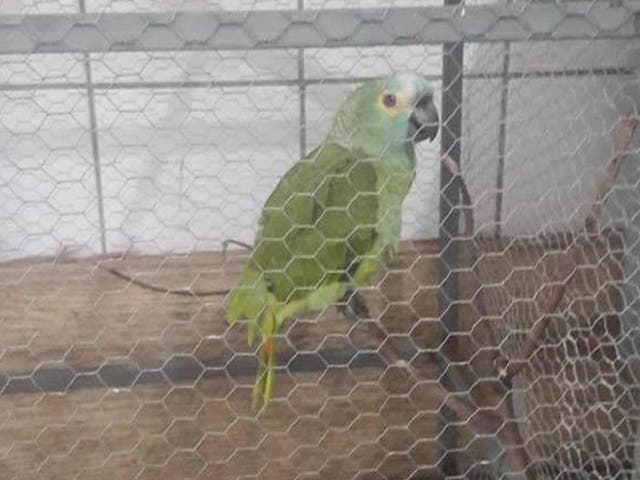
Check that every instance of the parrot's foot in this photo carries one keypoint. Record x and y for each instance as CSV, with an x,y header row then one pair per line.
x,y
353,306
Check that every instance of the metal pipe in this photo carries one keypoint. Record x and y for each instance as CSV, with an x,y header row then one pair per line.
x,y
450,136
291,82
325,28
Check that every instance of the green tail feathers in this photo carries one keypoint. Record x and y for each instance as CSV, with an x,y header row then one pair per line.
x,y
255,304
263,387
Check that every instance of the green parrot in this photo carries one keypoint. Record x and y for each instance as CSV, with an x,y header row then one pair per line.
x,y
335,217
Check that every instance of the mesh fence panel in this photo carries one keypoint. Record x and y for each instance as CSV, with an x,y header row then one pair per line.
x,y
124,173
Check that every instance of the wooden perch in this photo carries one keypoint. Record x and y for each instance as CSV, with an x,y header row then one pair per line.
x,y
507,369
469,224
623,135
186,292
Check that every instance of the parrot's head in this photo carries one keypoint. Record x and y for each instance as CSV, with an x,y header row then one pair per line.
x,y
388,112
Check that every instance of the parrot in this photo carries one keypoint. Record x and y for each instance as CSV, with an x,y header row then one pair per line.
x,y
334,218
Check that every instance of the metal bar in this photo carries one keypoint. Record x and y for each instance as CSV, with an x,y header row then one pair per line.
x,y
302,89
123,85
502,136
95,145
62,377
450,137
302,98
326,28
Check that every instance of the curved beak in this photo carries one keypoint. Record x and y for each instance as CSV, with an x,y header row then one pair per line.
x,y
424,121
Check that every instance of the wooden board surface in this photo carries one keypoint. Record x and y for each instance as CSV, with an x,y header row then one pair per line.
x,y
105,379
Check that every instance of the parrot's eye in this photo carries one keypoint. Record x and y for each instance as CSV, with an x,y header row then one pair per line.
x,y
389,100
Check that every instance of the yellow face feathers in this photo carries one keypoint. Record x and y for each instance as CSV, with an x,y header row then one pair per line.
x,y
393,103
399,94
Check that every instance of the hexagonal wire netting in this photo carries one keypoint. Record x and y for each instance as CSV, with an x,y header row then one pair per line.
x,y
500,341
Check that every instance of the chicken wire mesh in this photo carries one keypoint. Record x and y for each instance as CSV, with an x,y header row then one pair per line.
x,y
519,324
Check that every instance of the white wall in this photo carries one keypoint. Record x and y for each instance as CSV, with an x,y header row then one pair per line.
x,y
558,131
182,168
185,168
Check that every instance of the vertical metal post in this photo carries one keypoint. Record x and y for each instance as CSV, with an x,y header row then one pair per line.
x,y
302,89
451,112
502,136
95,147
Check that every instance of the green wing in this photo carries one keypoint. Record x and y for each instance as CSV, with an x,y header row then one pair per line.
x,y
319,219
315,224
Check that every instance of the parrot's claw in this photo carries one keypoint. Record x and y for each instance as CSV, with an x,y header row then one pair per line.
x,y
353,306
